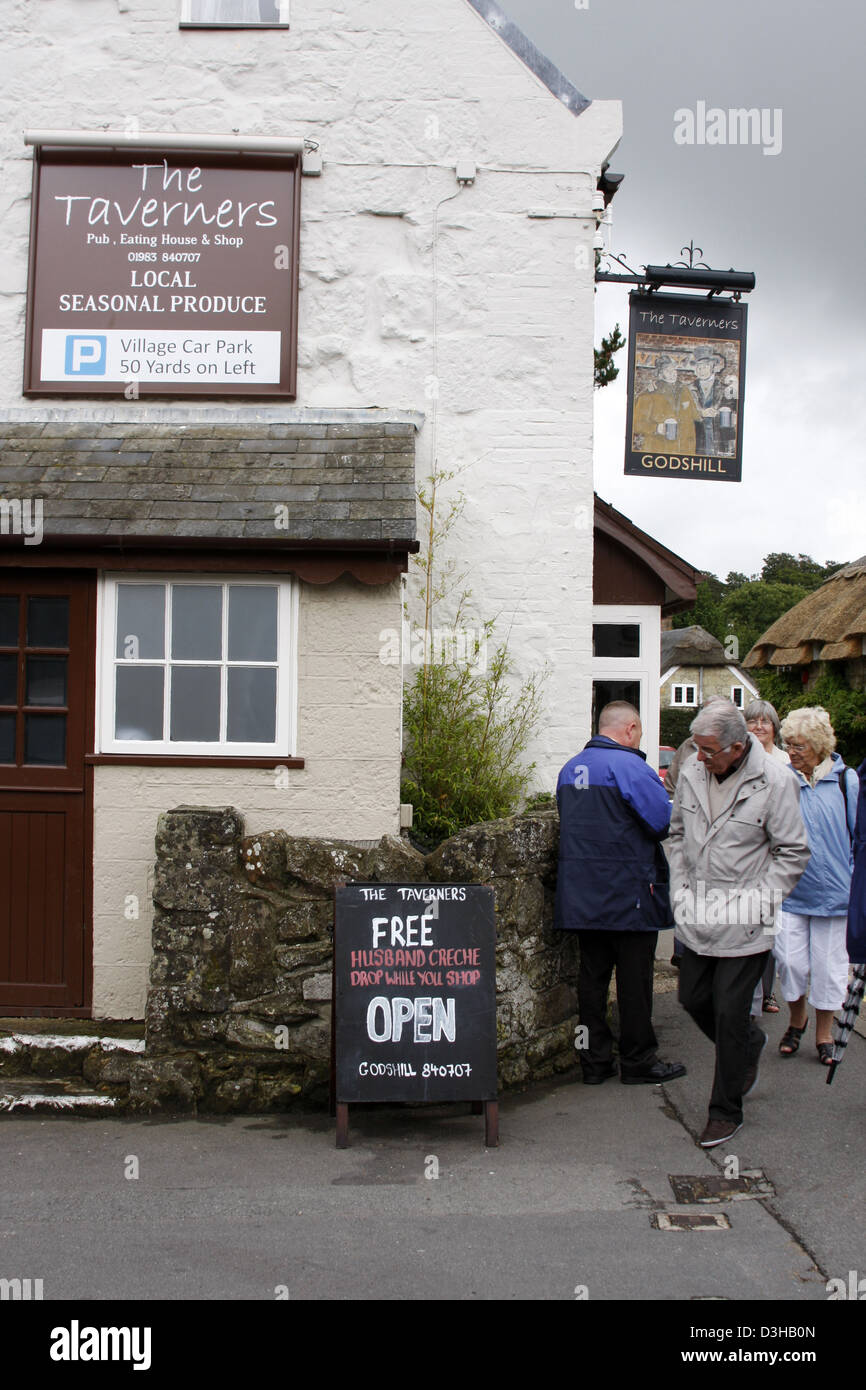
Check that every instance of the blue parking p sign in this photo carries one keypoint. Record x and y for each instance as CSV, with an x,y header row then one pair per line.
x,y
85,356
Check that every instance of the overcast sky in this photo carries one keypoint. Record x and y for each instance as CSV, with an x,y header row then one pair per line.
x,y
795,218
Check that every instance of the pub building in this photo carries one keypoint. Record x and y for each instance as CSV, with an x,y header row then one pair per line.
x,y
261,279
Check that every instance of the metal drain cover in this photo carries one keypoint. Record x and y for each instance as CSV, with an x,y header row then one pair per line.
x,y
690,1221
714,1188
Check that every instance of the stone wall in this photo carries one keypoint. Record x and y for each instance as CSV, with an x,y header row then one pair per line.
x,y
239,1009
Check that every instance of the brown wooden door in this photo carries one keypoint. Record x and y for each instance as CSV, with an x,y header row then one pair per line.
x,y
45,686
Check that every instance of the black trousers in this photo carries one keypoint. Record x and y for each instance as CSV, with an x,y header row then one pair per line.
x,y
631,954
717,992
769,975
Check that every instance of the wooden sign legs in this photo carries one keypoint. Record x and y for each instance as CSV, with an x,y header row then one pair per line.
x,y
491,1121
342,1125
489,1107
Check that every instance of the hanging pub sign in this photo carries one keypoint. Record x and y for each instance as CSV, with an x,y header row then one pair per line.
x,y
163,273
686,370
415,994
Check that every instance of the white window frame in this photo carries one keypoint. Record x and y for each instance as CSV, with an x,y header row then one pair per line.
x,y
284,743
186,22
645,669
684,703
742,690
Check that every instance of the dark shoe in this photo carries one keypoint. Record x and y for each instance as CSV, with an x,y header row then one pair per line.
x,y
595,1078
675,962
654,1074
770,1005
717,1131
750,1080
826,1053
791,1039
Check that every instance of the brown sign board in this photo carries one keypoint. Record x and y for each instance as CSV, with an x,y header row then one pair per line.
x,y
163,273
686,375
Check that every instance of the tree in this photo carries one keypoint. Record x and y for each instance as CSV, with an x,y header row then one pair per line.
x,y
736,580
782,568
750,609
605,371
465,726
744,607
707,612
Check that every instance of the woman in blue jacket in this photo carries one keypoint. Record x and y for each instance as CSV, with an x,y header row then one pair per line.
x,y
811,924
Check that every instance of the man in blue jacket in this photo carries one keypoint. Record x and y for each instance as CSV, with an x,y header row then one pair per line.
x,y
612,889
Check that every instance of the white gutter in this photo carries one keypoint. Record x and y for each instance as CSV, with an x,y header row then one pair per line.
x,y
167,140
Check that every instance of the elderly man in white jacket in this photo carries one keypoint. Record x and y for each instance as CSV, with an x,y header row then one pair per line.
x,y
737,848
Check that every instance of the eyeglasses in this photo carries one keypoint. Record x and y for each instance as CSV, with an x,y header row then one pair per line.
x,y
795,747
708,755
761,719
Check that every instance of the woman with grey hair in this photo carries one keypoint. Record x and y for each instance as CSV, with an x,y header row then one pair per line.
x,y
810,942
763,721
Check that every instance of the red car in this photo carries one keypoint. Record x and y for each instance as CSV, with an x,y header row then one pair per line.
x,y
666,757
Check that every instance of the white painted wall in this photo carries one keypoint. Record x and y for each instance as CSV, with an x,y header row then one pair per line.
x,y
348,734
414,294
409,285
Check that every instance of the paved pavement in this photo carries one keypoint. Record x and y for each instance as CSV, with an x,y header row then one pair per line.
x,y
567,1207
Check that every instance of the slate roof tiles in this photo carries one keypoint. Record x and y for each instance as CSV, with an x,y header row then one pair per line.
x,y
337,482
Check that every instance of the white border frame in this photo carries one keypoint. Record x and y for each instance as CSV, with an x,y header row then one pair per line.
x,y
685,704
285,742
645,669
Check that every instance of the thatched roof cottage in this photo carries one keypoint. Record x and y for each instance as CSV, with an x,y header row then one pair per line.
x,y
828,625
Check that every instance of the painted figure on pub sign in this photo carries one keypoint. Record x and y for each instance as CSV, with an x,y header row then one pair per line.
x,y
685,396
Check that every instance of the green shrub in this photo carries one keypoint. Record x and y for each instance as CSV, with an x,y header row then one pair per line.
x,y
674,726
464,729
464,733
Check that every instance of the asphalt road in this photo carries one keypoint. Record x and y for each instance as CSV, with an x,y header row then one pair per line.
x,y
255,1208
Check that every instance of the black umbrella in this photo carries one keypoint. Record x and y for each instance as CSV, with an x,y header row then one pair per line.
x,y
850,1010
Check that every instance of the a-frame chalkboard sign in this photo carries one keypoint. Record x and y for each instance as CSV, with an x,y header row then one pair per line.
x,y
414,997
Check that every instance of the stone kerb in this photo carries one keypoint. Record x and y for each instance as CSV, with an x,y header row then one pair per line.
x,y
239,1005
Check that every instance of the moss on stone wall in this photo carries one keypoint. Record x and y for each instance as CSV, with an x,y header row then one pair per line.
x,y
239,1008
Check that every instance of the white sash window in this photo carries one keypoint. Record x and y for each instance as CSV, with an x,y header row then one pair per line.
x,y
198,666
